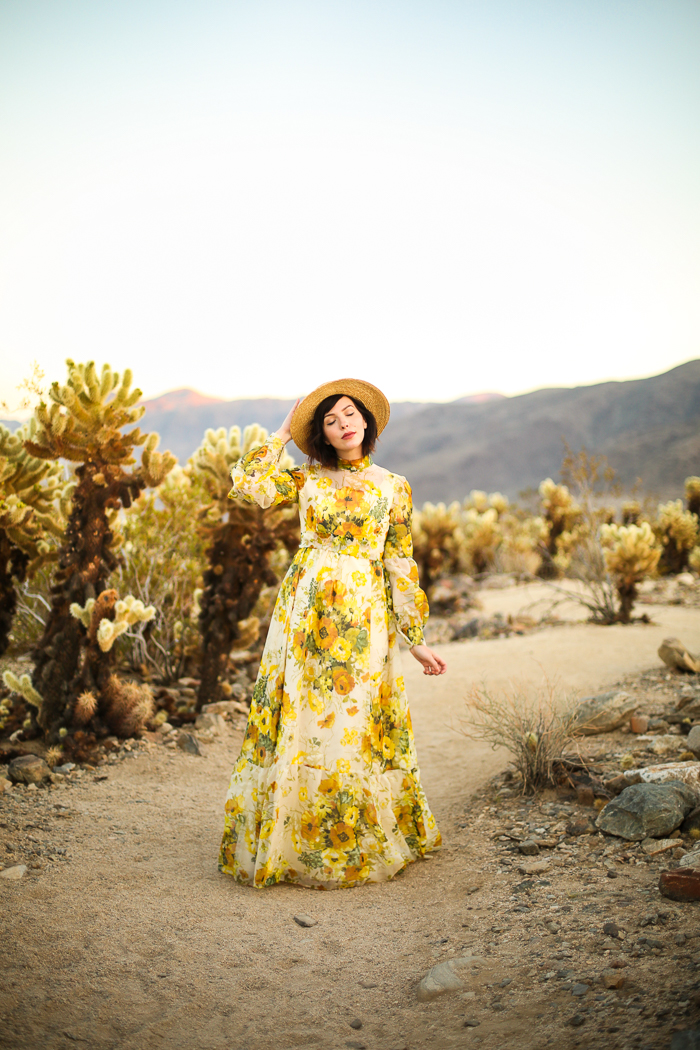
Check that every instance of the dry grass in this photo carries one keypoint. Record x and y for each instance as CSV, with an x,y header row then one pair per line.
x,y
536,730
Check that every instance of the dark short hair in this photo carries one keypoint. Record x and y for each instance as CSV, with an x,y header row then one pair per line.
x,y
319,449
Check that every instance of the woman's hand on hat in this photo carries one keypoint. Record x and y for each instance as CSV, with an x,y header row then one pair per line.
x,y
430,661
284,432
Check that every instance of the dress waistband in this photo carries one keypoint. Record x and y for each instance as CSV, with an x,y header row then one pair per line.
x,y
366,555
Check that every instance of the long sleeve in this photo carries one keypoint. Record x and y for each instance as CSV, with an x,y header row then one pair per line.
x,y
257,477
409,601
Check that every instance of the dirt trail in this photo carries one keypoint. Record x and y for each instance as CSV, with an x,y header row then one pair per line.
x,y
133,940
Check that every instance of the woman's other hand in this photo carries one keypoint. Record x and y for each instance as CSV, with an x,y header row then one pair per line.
x,y
431,662
284,432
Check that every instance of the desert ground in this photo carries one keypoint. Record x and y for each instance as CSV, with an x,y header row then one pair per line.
x,y
123,934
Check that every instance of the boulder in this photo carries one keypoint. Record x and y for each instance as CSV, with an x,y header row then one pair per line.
x,y
687,772
675,655
28,769
683,884
225,707
647,811
693,740
604,713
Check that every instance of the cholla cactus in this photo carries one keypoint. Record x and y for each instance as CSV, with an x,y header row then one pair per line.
x,y
694,560
562,514
33,507
87,423
483,536
438,541
631,554
692,495
677,531
127,612
631,512
241,540
523,540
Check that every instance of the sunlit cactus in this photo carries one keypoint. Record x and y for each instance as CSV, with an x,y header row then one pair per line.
x,y
438,541
33,507
562,514
483,536
241,541
692,495
523,540
89,422
677,531
694,560
631,553
631,512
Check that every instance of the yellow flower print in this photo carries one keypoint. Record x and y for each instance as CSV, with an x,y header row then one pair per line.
x,y
343,766
371,814
329,785
333,593
288,712
376,732
402,583
399,683
341,650
327,722
234,806
299,646
349,499
315,702
310,826
357,872
351,815
303,794
359,578
343,836
266,829
333,860
349,738
352,710
260,753
366,748
325,633
265,721
343,682
388,748
323,484
264,873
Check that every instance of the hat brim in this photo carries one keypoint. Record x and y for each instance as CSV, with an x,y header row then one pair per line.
x,y
370,396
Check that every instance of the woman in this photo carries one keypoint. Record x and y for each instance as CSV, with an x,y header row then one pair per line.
x,y
326,791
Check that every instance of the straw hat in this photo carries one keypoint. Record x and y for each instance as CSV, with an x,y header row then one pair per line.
x,y
369,395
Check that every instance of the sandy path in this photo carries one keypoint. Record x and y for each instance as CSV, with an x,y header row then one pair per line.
x,y
135,942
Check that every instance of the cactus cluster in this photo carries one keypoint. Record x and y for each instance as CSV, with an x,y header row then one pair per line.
x,y
631,554
241,543
34,502
90,423
677,530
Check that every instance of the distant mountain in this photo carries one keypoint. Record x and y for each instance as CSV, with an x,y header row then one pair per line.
x,y
647,428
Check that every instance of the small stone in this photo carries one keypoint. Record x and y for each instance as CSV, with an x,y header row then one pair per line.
x,y
579,990
28,769
356,1024
675,655
683,884
164,728
305,920
693,740
580,826
611,929
612,979
617,784
368,984
585,795
639,724
577,1020
534,867
529,847
65,768
652,846
188,743
356,1044
471,1022
14,873
442,978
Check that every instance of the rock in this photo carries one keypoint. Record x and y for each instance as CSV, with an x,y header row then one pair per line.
x,y
652,846
65,768
692,859
368,984
529,847
581,826
675,655
443,977
579,990
617,784
665,743
534,867
686,1040
225,707
692,823
692,741
188,743
356,1044
356,1024
603,713
639,724
612,979
14,873
305,920
585,795
5,785
210,721
687,772
471,1023
647,811
683,884
577,1020
28,769
611,929
164,728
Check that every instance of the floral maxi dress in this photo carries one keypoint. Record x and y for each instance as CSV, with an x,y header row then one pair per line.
x,y
326,791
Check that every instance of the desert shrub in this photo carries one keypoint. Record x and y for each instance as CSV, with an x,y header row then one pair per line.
x,y
163,561
692,495
87,424
524,537
563,518
631,554
535,729
677,531
438,541
243,548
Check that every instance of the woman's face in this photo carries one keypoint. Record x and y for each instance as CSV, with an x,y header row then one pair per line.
x,y
344,428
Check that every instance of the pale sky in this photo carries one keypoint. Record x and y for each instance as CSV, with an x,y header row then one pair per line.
x,y
249,197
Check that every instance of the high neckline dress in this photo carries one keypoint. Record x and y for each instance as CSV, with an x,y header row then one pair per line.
x,y
326,791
